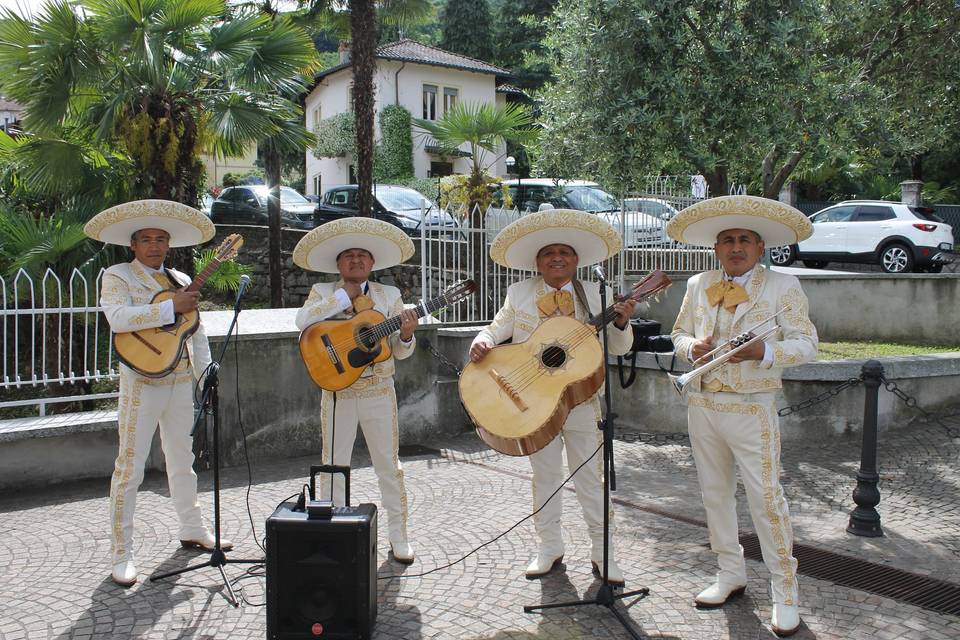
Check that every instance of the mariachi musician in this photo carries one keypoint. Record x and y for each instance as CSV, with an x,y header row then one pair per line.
x,y
353,248
150,228
554,243
731,412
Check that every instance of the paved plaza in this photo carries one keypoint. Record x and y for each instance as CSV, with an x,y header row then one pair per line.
x,y
54,573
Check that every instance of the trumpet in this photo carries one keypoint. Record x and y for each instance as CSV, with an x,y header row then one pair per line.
x,y
735,346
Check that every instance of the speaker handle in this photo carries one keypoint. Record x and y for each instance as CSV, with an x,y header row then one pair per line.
x,y
331,469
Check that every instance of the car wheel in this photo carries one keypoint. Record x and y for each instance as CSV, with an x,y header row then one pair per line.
x,y
783,256
896,258
815,264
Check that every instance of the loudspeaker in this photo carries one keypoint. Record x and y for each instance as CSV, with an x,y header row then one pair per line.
x,y
321,574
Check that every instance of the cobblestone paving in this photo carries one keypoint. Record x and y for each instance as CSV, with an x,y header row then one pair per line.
x,y
54,574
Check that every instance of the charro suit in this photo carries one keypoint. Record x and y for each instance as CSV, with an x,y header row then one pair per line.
x,y
125,296
736,421
371,402
517,319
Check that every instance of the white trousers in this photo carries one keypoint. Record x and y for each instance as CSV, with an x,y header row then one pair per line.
x,y
580,437
143,404
370,403
728,429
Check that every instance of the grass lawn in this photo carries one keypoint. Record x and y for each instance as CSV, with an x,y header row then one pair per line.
x,y
859,350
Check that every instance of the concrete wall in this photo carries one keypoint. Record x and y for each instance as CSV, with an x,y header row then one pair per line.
x,y
913,308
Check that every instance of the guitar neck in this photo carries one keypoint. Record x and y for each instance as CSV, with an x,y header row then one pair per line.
x,y
390,325
203,275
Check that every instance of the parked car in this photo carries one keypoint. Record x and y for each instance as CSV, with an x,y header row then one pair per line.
x,y
247,204
398,205
899,237
206,201
643,224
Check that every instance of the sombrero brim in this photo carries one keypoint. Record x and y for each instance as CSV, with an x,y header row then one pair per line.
x,y
517,244
777,223
116,225
318,249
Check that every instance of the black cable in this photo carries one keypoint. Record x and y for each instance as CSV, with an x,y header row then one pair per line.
x,y
491,541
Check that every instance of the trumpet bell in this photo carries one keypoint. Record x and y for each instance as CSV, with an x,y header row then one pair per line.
x,y
679,382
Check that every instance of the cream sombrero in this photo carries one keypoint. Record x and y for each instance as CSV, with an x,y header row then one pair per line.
x,y
593,239
318,250
115,225
777,223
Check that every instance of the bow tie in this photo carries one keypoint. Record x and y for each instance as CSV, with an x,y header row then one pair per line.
x,y
729,293
555,303
361,303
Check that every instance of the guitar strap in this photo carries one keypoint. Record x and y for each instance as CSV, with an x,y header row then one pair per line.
x,y
581,296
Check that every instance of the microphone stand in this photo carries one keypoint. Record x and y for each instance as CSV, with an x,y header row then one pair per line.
x,y
605,594
210,405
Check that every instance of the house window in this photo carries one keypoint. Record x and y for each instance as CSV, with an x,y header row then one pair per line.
x,y
317,185
438,169
449,98
429,102
350,98
352,174
316,117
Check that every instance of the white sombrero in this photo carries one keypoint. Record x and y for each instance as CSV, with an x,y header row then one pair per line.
x,y
593,239
116,225
318,250
777,223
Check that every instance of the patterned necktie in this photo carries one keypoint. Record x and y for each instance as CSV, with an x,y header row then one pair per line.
x,y
728,292
162,279
555,303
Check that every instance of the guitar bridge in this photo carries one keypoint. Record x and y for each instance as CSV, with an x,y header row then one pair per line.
x,y
507,388
332,353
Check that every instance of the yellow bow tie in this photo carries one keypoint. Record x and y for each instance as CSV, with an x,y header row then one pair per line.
x,y
555,303
728,292
162,279
361,303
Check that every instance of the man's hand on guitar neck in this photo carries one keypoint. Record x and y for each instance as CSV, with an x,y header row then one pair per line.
x,y
624,310
184,301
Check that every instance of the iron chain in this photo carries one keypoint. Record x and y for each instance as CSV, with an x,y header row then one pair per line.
x,y
822,397
444,360
911,402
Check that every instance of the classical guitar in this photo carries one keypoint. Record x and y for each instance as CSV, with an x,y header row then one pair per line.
x,y
336,352
520,394
155,352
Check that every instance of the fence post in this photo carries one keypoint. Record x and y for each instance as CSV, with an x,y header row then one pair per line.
x,y
864,519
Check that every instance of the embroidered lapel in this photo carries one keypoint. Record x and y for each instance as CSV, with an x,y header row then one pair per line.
x,y
754,290
710,317
146,280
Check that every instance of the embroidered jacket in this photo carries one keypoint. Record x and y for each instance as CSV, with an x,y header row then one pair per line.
x,y
794,343
125,295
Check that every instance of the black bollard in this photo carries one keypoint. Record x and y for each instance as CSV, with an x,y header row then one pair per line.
x,y
864,519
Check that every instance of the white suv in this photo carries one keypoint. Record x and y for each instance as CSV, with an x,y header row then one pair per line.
x,y
899,237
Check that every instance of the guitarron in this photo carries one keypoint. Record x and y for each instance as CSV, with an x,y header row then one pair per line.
x,y
336,352
519,395
155,352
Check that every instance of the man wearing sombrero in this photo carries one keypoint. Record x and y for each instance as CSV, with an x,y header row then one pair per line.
x,y
353,247
554,243
731,411
150,228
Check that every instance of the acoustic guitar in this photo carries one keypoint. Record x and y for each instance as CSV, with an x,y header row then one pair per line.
x,y
155,352
336,352
519,395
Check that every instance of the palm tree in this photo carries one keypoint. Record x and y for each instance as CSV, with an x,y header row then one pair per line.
x,y
485,128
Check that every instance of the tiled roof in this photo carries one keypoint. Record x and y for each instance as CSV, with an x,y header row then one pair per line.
x,y
509,88
407,50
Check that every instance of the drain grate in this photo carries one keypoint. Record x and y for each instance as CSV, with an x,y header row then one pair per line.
x,y
928,593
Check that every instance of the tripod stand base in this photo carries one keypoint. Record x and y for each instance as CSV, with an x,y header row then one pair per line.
x,y
605,598
218,560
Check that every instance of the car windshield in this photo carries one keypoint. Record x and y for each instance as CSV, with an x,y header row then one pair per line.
x,y
287,195
401,199
654,208
925,213
592,199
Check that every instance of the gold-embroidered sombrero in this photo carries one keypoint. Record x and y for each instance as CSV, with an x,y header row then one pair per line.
x,y
777,223
318,250
517,244
116,225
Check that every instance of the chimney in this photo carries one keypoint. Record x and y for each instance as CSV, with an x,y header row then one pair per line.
x,y
344,50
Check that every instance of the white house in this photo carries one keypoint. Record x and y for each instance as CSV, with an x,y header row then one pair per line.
x,y
423,79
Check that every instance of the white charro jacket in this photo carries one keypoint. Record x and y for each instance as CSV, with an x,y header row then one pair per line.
x,y
125,295
322,304
794,343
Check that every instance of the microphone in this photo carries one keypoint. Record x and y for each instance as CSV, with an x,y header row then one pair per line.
x,y
244,281
598,271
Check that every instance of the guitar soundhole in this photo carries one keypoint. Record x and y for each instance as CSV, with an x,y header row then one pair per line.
x,y
367,338
553,357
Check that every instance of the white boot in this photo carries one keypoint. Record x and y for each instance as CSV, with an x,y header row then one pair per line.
x,y
543,563
124,573
717,595
785,619
402,552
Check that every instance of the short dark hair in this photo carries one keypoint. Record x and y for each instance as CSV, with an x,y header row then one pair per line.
x,y
540,250
133,236
756,235
367,251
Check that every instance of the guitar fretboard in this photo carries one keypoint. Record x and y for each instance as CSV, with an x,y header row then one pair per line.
x,y
203,275
385,328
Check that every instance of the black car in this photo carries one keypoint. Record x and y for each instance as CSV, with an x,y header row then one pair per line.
x,y
247,204
400,206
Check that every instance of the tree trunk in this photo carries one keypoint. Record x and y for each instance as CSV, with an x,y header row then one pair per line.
x,y
772,187
916,167
272,169
717,180
363,27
